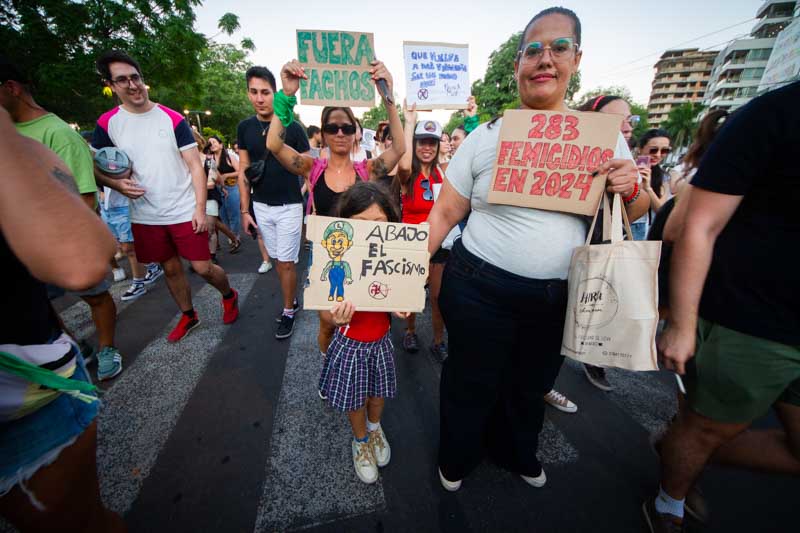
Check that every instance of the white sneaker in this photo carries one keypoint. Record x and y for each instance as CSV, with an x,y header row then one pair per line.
x,y
364,462
537,481
380,446
265,267
560,402
448,485
119,274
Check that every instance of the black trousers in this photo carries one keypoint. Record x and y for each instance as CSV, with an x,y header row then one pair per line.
x,y
504,335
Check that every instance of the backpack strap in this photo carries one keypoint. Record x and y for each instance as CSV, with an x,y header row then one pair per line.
x,y
317,168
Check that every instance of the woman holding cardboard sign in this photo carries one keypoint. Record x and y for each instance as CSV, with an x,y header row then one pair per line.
x,y
328,178
504,291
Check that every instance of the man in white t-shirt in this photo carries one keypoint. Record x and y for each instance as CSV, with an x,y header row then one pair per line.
x,y
166,187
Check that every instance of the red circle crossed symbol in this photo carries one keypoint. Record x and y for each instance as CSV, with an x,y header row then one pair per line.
x,y
422,94
378,290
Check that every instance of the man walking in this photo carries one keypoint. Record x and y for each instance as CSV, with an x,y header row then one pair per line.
x,y
166,187
33,121
277,200
734,325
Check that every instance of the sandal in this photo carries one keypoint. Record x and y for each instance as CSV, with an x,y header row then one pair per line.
x,y
235,245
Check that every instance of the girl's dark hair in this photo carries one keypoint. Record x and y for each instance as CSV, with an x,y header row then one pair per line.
x,y
596,103
656,172
326,116
459,128
706,132
223,155
576,24
361,197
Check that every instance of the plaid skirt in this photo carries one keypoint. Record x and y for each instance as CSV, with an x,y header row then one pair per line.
x,y
354,370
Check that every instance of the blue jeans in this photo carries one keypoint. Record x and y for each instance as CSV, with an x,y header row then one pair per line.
x,y
504,334
229,210
639,230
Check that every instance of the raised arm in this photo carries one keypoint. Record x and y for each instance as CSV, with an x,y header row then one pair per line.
x,y
450,209
70,247
387,160
296,163
404,165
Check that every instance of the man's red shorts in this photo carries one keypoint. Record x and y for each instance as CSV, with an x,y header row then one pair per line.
x,y
156,244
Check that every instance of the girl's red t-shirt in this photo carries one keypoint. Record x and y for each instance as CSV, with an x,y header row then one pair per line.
x,y
416,208
367,326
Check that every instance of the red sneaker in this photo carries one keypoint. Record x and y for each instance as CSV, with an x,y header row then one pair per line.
x,y
185,325
230,308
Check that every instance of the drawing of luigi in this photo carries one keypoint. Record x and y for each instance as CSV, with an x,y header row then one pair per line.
x,y
337,239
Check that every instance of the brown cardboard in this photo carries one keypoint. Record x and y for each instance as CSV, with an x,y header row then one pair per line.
x,y
530,170
387,262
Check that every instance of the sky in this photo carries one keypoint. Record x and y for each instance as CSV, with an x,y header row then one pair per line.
x,y
621,41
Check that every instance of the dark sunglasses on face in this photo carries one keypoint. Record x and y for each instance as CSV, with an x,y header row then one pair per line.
x,y
333,129
664,151
427,193
125,80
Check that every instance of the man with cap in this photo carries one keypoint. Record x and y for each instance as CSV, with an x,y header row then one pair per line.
x,y
33,121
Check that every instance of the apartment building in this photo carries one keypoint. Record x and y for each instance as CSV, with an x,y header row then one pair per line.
x,y
681,76
737,71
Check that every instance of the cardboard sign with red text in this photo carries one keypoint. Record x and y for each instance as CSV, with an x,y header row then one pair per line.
x,y
546,159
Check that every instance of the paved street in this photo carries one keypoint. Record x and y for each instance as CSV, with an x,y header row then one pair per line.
x,y
225,432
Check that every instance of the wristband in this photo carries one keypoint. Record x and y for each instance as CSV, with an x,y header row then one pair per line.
x,y
470,123
633,196
245,212
283,106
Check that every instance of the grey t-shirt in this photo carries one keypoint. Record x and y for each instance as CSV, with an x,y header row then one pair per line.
x,y
533,243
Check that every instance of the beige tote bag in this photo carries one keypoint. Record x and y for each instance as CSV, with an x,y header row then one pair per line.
x,y
612,311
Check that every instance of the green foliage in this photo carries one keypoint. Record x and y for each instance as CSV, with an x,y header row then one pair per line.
x,y
456,119
681,123
644,125
375,115
228,23
208,132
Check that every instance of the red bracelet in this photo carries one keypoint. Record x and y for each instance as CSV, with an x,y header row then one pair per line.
x,y
633,195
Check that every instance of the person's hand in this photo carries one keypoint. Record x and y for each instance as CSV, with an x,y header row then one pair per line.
x,y
248,222
291,74
224,192
199,224
410,114
380,72
402,315
342,313
622,176
129,187
472,107
676,346
646,174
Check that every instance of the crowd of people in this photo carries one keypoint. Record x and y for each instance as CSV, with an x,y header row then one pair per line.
x,y
497,282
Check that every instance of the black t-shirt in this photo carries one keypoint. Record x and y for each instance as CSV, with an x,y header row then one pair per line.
x,y
753,283
278,186
33,320
324,198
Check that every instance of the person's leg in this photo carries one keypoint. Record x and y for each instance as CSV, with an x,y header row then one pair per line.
x,y
375,409
137,269
262,249
77,509
233,220
104,316
287,274
211,222
177,283
288,226
358,422
226,230
214,275
435,285
325,334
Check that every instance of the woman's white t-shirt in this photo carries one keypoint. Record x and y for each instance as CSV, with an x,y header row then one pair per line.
x,y
533,243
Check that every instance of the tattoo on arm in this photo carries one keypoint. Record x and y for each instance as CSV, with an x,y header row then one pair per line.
x,y
379,168
297,163
282,135
65,178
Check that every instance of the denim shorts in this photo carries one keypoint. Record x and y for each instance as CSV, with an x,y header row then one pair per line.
x,y
118,220
36,440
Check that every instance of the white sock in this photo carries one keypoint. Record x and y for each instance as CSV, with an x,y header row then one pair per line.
x,y
372,426
289,313
669,505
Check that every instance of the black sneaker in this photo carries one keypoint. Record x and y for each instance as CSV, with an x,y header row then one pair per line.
x,y
410,342
597,377
660,522
295,309
285,328
439,351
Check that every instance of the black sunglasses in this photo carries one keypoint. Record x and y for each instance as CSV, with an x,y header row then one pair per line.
x,y
427,193
333,129
664,151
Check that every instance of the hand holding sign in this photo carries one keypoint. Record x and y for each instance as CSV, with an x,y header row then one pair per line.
x,y
621,176
380,72
410,114
291,74
472,107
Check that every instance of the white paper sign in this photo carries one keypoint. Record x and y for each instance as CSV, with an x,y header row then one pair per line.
x,y
437,75
784,63
368,139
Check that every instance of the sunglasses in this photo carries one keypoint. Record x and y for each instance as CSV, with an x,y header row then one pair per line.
x,y
664,151
126,80
560,48
427,193
633,120
333,129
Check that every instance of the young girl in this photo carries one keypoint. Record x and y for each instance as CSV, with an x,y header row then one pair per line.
x,y
358,372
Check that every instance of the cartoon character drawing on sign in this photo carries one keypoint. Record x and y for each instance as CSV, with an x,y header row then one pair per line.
x,y
337,239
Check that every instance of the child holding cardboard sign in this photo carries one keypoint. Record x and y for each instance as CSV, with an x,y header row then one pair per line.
x,y
358,372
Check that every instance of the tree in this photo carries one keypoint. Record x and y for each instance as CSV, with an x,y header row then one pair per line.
x,y
644,124
681,123
375,115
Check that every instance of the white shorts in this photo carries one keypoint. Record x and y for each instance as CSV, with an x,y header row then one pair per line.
x,y
212,208
280,227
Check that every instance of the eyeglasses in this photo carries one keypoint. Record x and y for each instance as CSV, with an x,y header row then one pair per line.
x,y
560,49
427,193
125,80
664,151
333,129
633,120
